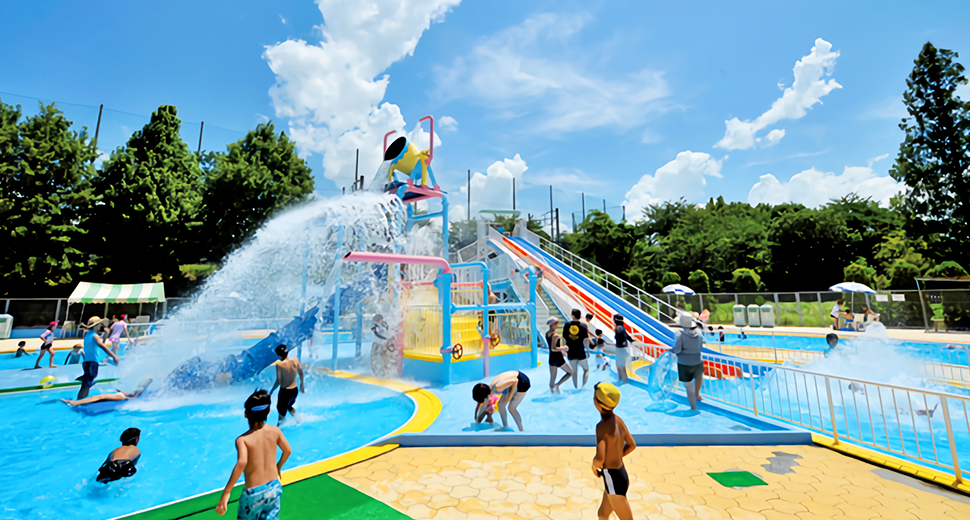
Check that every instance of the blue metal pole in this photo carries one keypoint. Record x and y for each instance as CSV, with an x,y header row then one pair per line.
x,y
532,316
444,227
486,334
443,282
336,297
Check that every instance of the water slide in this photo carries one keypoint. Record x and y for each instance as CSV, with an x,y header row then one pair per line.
x,y
654,337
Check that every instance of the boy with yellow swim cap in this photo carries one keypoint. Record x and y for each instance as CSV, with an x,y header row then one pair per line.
x,y
613,442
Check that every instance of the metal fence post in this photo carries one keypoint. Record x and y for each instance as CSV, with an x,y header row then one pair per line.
x,y
926,320
798,307
828,394
754,400
949,437
821,308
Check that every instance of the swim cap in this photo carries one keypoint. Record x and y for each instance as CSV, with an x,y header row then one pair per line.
x,y
607,394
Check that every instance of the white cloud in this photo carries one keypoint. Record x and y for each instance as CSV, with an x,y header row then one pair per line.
x,y
328,91
807,90
564,177
813,188
532,70
774,137
283,19
681,177
493,189
874,160
448,123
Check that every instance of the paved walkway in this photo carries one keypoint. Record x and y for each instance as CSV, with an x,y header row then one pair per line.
x,y
803,483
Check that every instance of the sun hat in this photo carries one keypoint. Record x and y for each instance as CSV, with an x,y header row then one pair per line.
x,y
686,321
607,394
93,321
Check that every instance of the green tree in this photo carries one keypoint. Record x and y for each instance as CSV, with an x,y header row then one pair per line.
x,y
151,190
44,173
699,281
670,277
934,158
859,272
808,248
462,233
604,242
256,177
900,259
746,280
947,269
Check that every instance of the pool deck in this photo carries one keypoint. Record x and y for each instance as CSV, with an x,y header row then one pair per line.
x,y
803,483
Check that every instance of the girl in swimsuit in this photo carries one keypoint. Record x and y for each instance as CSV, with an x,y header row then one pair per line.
x,y
556,358
509,388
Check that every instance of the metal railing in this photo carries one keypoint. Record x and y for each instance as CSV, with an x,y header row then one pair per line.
x,y
923,426
630,293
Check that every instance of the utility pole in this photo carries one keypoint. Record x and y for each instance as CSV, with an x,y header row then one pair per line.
x,y
468,189
201,127
558,235
551,211
624,213
584,206
513,193
604,205
356,165
97,129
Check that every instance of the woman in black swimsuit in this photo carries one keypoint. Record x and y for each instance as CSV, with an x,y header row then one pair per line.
x,y
556,358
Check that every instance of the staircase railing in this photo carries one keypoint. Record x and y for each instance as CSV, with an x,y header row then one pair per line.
x,y
630,293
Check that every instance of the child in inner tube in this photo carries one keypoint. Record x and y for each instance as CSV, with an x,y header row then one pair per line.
x,y
121,462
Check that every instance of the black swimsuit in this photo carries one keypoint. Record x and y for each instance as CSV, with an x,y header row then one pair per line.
x,y
113,470
556,358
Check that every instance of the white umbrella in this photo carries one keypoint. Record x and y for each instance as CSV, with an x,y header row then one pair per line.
x,y
852,287
678,289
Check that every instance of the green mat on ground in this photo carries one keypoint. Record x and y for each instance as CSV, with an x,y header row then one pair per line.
x,y
737,479
319,497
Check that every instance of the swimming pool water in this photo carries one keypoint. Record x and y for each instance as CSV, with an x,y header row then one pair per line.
x,y
52,453
572,412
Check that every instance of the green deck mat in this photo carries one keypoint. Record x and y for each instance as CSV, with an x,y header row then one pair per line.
x,y
737,479
319,497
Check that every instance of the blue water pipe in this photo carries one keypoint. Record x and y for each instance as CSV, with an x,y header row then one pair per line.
x,y
486,340
336,298
443,283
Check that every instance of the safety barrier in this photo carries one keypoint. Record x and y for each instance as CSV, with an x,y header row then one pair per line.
x,y
923,426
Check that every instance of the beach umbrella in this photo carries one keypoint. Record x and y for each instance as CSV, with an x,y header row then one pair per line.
x,y
678,289
852,287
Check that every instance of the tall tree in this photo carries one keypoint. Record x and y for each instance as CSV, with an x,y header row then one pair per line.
x,y
151,193
44,172
257,176
934,158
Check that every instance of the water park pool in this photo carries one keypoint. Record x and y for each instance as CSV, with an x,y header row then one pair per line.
x,y
53,452
572,411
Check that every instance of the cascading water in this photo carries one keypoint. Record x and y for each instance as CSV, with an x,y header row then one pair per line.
x,y
262,284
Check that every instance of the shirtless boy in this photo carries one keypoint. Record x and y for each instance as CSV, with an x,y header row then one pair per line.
x,y
613,442
286,372
257,454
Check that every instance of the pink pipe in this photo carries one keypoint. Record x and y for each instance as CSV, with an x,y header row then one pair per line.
x,y
388,258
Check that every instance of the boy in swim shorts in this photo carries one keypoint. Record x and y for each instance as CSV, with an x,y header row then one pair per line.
x,y
507,391
121,461
286,372
613,442
256,449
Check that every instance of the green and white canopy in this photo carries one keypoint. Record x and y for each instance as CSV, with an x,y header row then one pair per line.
x,y
104,292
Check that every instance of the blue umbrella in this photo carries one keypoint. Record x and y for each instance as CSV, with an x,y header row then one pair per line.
x,y
678,289
853,287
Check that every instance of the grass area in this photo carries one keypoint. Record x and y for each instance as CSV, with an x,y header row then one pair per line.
x,y
319,498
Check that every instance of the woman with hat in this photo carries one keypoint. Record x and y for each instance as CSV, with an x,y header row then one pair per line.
x,y
556,359
687,348
92,342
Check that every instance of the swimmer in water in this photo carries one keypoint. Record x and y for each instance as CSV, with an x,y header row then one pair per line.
x,y
21,349
286,372
117,395
121,461
74,356
613,442
509,388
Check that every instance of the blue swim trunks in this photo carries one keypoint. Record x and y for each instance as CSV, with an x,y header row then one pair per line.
x,y
261,502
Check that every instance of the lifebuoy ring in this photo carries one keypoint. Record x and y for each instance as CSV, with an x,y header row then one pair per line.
x,y
495,339
456,351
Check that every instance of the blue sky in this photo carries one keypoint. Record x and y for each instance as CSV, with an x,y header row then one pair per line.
x,y
626,102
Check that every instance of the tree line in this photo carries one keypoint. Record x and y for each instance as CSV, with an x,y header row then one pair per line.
x,y
153,210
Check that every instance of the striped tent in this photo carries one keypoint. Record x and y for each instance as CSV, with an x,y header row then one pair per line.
x,y
108,293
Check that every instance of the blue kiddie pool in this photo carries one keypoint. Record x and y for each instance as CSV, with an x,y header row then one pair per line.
x,y
52,453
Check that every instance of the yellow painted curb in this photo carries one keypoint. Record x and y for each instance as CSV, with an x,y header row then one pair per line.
x,y
888,461
427,407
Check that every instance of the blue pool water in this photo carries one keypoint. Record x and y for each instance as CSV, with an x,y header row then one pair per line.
x,y
51,453
573,411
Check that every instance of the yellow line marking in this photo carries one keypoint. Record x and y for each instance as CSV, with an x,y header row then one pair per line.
x,y
881,459
427,407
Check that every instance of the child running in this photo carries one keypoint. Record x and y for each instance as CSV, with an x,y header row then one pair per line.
x,y
613,442
508,390
286,372
46,345
256,454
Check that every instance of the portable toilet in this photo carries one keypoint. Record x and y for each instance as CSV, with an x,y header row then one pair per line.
x,y
6,325
739,320
767,315
754,319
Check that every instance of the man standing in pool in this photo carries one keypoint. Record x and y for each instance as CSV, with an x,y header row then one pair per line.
x,y
256,452
92,342
556,359
613,442
286,372
508,390
576,334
